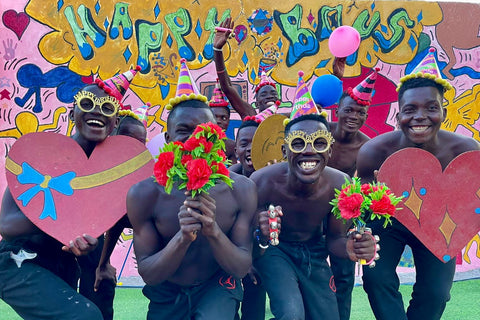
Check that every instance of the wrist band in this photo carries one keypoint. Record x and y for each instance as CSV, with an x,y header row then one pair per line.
x,y
257,236
371,261
216,49
220,71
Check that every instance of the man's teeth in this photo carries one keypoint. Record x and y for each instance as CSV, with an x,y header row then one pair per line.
x,y
419,128
95,122
306,165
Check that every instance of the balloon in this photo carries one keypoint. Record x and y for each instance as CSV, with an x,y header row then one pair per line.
x,y
155,144
344,41
326,90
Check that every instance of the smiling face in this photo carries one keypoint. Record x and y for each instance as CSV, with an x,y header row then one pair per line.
x,y
308,164
94,125
222,115
243,149
265,97
183,120
421,114
351,115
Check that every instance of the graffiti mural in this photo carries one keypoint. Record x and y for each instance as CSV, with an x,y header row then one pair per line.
x,y
51,48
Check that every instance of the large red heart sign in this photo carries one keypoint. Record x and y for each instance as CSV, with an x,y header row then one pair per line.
x,y
442,209
65,193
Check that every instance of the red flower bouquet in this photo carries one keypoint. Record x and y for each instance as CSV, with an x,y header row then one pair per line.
x,y
196,164
359,202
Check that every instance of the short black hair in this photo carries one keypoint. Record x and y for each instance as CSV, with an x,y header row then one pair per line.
x,y
193,103
125,120
248,123
226,108
315,117
343,96
419,83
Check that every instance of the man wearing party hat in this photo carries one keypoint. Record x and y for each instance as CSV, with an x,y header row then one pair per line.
x,y
293,268
420,115
192,252
37,267
352,112
221,111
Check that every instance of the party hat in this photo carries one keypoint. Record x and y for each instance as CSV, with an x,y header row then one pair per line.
x,y
363,92
303,103
218,97
186,88
141,113
264,82
117,85
427,68
272,109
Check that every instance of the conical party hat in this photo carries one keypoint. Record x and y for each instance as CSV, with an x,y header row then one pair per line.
x,y
117,85
303,103
142,113
363,92
186,88
427,68
264,82
268,112
218,98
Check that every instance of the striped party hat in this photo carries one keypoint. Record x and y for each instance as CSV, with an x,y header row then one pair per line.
x,y
218,97
264,82
427,68
303,103
186,88
117,85
141,114
272,109
363,92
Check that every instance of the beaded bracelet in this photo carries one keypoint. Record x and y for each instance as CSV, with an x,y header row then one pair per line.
x,y
257,236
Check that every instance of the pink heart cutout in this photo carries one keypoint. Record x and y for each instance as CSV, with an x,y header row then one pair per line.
x,y
17,22
442,209
83,200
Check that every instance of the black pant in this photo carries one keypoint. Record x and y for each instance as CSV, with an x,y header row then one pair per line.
x,y
103,297
298,281
35,292
344,274
218,298
434,278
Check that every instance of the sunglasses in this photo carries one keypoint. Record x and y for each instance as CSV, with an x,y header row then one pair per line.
x,y
320,140
86,101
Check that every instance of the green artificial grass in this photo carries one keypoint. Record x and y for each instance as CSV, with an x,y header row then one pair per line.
x,y
130,304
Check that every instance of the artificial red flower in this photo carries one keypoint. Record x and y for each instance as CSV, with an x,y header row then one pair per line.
x,y
164,163
383,206
198,173
216,129
366,189
222,154
221,169
186,158
179,143
192,143
349,206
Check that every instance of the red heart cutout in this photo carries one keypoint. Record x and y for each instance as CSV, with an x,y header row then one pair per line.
x,y
79,195
442,209
17,22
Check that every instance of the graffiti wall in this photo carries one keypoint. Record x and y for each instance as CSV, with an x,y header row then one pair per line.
x,y
51,48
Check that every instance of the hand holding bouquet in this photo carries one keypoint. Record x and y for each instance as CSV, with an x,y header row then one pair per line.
x,y
362,202
196,164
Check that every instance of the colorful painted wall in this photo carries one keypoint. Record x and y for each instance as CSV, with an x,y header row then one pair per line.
x,y
51,48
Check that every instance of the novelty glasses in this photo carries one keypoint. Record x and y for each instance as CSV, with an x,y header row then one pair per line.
x,y
320,140
86,101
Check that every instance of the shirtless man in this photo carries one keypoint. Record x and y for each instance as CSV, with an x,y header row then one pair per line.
x,y
266,93
352,112
191,253
44,287
295,273
420,116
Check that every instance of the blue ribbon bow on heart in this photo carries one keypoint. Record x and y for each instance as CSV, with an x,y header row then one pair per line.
x,y
44,183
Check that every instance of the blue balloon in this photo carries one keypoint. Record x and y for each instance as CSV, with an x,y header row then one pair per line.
x,y
326,90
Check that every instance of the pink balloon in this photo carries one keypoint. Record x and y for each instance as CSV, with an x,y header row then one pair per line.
x,y
344,41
